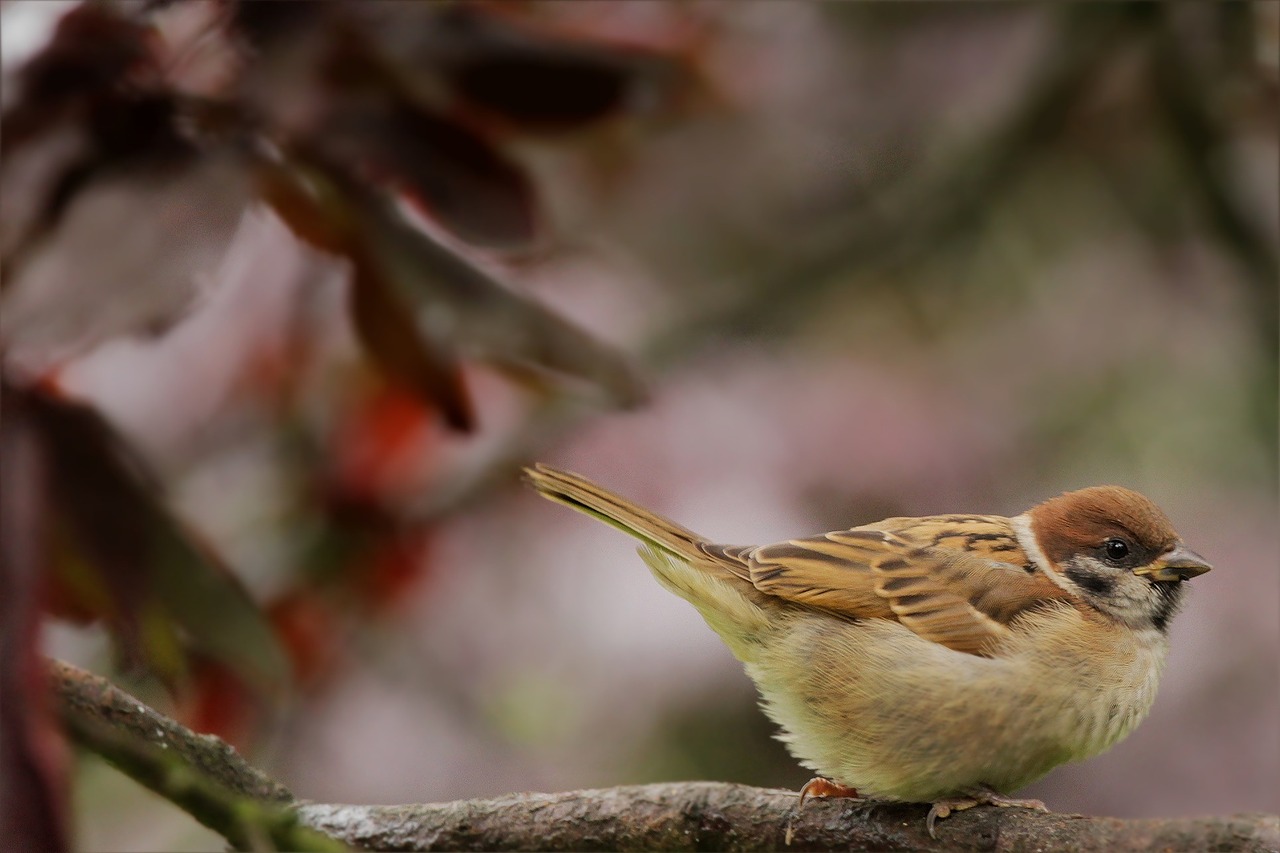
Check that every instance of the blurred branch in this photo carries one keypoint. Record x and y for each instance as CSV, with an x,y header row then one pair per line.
x,y
716,816
207,778
199,773
1201,142
935,205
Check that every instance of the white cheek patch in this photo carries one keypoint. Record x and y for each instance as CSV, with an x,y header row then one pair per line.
x,y
1027,539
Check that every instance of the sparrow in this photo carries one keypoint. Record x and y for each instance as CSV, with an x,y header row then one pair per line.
x,y
948,659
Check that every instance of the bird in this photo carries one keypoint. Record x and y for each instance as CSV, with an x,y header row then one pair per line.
x,y
946,659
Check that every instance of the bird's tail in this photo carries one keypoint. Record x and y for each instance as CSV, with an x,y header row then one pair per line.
x,y
585,496
713,579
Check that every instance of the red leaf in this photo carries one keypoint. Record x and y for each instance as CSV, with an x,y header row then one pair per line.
x,y
219,703
402,274
452,174
545,91
323,208
382,444
386,327
33,756
374,120
116,249
92,52
396,565
535,81
306,622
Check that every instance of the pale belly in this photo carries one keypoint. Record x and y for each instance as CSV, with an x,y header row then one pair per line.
x,y
874,707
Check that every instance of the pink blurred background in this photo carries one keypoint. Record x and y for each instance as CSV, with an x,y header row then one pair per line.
x,y
1085,325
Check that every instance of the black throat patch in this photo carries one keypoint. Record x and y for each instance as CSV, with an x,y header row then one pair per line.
x,y
1168,598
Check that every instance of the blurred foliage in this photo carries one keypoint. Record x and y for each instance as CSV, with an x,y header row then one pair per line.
x,y
139,136
331,219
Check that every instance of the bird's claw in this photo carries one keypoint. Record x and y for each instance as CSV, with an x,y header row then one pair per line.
x,y
821,787
943,809
981,796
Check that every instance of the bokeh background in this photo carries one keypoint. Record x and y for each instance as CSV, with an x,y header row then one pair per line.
x,y
869,259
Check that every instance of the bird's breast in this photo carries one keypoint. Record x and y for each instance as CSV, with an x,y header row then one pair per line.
x,y
876,707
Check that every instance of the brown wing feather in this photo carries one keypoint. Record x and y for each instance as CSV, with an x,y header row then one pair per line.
x,y
822,572
960,590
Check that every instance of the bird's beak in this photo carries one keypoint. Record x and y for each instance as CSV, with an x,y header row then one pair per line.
x,y
1179,564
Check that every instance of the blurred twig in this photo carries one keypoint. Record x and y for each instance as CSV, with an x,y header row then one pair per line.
x,y
199,773
938,205
1201,144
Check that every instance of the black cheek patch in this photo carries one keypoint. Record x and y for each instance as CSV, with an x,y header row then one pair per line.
x,y
1090,582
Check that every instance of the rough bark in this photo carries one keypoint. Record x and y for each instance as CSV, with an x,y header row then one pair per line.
x,y
85,697
200,774
715,816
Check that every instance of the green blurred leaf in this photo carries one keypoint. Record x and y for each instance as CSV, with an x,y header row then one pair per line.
x,y
125,558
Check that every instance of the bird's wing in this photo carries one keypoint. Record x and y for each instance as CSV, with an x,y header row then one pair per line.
x,y
955,580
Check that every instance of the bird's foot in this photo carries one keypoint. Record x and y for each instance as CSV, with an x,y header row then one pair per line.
x,y
822,787
977,796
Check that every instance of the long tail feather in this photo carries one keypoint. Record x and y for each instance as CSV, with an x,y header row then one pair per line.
x,y
585,496
713,579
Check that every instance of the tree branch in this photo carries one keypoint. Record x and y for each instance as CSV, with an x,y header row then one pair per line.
x,y
204,776
716,816
200,774
85,697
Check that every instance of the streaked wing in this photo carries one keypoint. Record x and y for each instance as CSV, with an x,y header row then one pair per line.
x,y
955,580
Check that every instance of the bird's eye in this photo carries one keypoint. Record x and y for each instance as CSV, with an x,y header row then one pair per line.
x,y
1115,549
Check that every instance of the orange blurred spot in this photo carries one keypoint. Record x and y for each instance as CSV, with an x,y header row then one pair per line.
x,y
383,447
308,627
219,703
394,567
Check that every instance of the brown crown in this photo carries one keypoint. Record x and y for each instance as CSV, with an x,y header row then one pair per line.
x,y
1079,521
